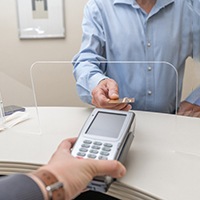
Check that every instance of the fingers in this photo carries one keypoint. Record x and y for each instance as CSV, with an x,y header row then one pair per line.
x,y
184,108
184,112
127,107
111,168
67,144
120,106
195,111
188,109
196,114
64,149
108,89
113,92
99,96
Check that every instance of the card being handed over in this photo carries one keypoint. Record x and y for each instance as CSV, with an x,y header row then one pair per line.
x,y
122,100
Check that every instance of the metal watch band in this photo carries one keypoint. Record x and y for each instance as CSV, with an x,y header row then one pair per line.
x,y
53,186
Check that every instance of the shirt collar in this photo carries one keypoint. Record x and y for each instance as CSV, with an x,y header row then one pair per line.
x,y
163,3
159,3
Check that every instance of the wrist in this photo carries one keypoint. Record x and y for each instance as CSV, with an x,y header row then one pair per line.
x,y
50,186
61,176
41,185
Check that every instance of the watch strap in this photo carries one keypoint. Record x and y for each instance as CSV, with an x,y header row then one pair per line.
x,y
54,188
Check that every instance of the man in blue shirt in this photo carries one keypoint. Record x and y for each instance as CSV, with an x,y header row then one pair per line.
x,y
135,48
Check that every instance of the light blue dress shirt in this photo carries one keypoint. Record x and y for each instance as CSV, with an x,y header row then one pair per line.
x,y
144,53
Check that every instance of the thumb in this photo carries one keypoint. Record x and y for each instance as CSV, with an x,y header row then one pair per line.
x,y
113,92
111,168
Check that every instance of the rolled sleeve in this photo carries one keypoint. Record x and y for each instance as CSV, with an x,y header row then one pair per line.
x,y
194,97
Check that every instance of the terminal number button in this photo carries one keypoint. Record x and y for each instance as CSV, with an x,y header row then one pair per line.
x,y
108,145
87,141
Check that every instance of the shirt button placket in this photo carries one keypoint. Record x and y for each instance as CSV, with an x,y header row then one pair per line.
x,y
149,57
148,44
149,68
149,92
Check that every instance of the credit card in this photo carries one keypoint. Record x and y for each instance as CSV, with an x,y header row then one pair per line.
x,y
122,100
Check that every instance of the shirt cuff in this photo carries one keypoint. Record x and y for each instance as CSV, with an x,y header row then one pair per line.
x,y
194,97
95,79
197,102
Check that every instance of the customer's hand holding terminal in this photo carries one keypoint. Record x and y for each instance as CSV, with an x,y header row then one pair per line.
x,y
106,134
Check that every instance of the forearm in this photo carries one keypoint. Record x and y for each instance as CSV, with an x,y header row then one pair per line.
x,y
90,63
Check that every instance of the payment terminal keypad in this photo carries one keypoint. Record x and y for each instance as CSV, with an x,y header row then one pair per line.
x,y
95,150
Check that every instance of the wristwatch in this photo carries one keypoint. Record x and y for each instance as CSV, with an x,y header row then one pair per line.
x,y
54,188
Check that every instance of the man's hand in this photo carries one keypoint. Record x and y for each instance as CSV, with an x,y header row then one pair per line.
x,y
76,173
105,91
189,109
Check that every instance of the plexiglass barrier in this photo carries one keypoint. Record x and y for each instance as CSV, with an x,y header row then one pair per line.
x,y
16,113
154,85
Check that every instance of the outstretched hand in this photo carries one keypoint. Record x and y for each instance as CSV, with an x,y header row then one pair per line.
x,y
105,91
